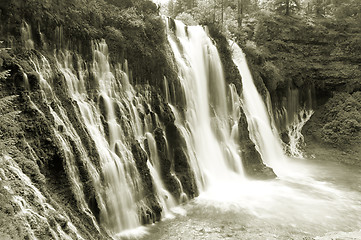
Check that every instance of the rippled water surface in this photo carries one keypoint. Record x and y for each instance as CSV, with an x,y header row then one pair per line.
x,y
314,199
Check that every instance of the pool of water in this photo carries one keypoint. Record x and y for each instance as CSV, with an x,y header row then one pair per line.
x,y
314,199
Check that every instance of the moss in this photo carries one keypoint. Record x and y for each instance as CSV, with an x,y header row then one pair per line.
x,y
166,164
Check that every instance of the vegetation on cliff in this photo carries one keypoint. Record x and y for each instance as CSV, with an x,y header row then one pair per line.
x,y
342,118
133,30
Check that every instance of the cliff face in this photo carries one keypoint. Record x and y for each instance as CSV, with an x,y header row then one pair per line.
x,y
36,195
310,63
59,140
56,177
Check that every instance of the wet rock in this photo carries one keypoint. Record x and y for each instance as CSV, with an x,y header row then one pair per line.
x,y
166,164
61,128
162,109
94,207
184,172
141,159
181,163
285,138
252,161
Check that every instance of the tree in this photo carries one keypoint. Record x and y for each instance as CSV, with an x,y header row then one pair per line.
x,y
228,14
287,6
346,9
204,12
240,8
186,18
318,7
170,9
340,9
182,6
245,7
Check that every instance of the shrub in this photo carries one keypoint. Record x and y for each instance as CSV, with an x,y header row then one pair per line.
x,y
342,119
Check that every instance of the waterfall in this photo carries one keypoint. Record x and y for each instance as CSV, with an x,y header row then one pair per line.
x,y
118,209
206,128
260,123
62,121
108,108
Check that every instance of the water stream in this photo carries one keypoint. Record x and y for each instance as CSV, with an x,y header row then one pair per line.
x,y
324,202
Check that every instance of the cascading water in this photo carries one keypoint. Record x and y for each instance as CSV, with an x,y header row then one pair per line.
x,y
166,199
212,151
293,206
117,207
294,131
39,213
62,121
109,110
26,36
262,133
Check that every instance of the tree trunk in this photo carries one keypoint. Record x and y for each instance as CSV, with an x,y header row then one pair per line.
x,y
214,11
222,6
240,13
287,7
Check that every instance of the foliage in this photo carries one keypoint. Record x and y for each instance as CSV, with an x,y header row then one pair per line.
x,y
230,13
286,6
6,73
132,29
226,13
204,12
339,9
272,75
343,119
186,18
